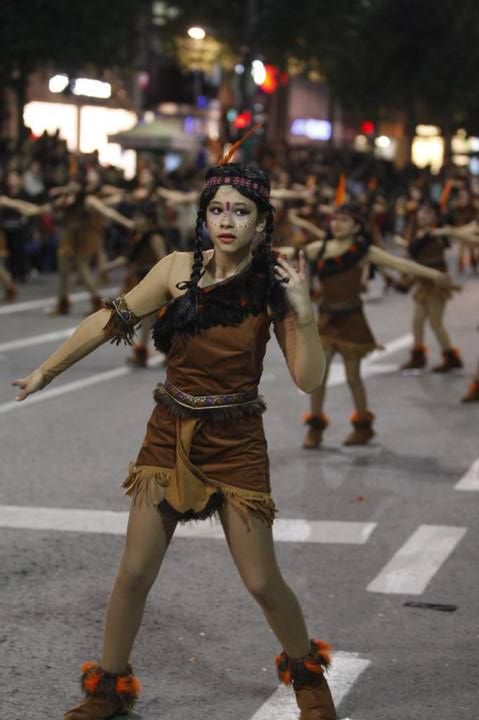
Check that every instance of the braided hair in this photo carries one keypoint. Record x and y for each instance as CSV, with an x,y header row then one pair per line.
x,y
253,183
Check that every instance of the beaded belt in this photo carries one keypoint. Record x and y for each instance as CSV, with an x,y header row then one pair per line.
x,y
206,402
340,307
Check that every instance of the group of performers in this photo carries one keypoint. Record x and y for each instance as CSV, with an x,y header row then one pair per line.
x,y
204,450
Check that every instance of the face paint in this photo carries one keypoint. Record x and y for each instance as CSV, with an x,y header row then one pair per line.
x,y
231,219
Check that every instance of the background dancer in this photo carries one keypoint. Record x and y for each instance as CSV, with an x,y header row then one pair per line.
x,y
343,327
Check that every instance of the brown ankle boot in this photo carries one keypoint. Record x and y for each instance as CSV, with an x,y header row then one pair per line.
x,y
107,694
472,394
317,424
307,677
451,361
139,357
417,359
362,429
62,307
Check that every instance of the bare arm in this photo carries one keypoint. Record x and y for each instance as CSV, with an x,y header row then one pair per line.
x,y
115,324
465,233
176,196
296,219
93,203
22,206
380,257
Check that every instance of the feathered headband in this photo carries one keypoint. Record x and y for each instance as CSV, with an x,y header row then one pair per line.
x,y
237,180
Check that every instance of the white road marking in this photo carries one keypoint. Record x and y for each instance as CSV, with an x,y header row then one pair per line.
x,y
470,481
43,395
390,348
418,560
36,340
345,671
48,302
114,523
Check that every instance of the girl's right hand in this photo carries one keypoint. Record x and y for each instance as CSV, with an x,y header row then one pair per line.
x,y
30,384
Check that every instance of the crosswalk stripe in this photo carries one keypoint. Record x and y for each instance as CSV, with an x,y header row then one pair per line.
x,y
48,302
114,523
72,386
413,566
345,671
470,481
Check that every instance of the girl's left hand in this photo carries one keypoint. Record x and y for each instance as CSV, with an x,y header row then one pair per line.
x,y
296,286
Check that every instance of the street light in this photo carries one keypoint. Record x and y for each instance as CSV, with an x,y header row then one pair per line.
x,y
196,33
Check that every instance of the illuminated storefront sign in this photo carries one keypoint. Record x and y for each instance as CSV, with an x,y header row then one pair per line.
x,y
311,128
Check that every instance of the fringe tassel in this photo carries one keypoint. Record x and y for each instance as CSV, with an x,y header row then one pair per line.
x,y
320,422
112,686
249,504
146,482
117,329
362,420
302,672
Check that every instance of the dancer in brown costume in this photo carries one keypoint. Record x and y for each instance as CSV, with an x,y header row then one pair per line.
x,y
426,244
12,210
342,325
146,247
205,449
83,215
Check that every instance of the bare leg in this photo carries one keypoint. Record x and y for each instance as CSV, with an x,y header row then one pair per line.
x,y
255,558
436,307
318,396
419,323
356,385
85,274
147,540
64,262
5,276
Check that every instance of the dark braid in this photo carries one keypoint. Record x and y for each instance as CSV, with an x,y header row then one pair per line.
x,y
189,306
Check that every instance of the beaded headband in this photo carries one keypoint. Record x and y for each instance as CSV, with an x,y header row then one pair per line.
x,y
239,181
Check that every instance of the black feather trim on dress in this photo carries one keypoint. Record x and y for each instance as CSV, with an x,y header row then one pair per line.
x,y
226,303
325,267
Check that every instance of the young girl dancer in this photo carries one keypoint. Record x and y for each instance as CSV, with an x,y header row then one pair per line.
x,y
205,449
343,327
426,244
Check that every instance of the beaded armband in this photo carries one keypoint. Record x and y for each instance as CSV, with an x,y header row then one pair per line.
x,y
121,325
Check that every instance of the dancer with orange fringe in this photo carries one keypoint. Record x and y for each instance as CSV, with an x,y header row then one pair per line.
x,y
205,449
343,328
426,244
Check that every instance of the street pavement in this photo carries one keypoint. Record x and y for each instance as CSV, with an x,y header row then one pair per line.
x,y
361,532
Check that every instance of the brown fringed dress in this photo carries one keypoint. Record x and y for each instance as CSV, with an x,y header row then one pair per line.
x,y
205,442
342,324
429,251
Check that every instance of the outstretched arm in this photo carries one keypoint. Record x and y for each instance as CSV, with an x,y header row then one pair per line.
x,y
380,257
297,333
22,206
465,233
93,203
115,324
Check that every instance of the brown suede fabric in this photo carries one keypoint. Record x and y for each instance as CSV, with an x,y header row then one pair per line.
x,y
348,332
197,456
